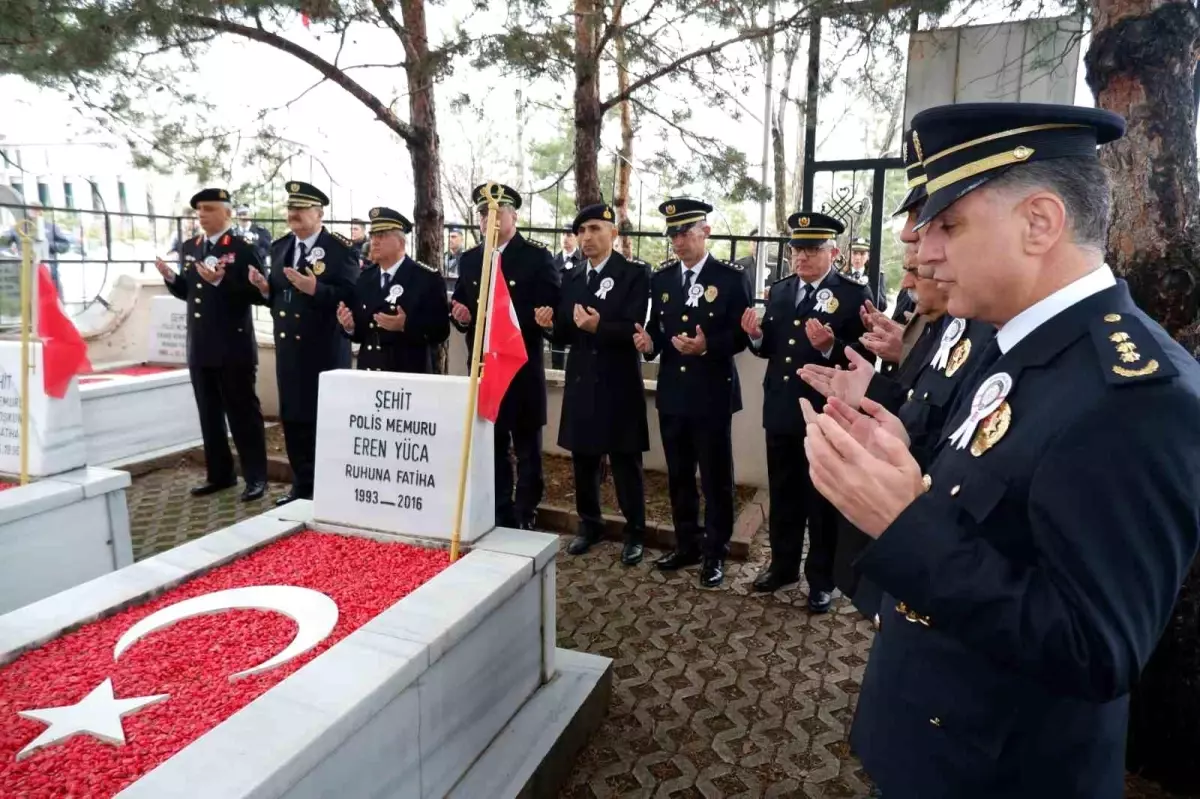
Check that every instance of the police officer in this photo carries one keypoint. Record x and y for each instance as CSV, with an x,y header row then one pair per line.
x,y
1029,573
810,317
860,252
257,235
921,393
696,304
533,283
399,312
359,242
222,353
312,271
604,402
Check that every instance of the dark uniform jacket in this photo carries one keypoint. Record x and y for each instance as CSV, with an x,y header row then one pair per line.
x,y
604,401
786,347
220,329
308,338
533,283
1026,589
698,385
258,237
420,292
904,304
921,394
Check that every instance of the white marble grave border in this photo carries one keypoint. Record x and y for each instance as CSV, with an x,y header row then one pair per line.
x,y
132,417
401,707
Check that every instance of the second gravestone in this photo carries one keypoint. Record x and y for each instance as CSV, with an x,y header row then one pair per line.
x,y
388,454
168,331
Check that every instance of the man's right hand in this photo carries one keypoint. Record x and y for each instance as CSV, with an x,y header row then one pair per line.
x,y
751,325
642,340
848,385
345,318
259,281
163,269
460,312
544,316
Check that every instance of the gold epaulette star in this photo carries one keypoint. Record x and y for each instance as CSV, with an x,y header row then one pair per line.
x,y
1128,351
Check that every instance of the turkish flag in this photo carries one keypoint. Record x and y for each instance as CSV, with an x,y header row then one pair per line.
x,y
64,352
503,349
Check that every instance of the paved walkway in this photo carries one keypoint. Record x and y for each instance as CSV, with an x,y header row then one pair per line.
x,y
721,694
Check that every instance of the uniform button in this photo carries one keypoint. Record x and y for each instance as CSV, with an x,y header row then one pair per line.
x,y
297,337
710,313
364,306
372,325
796,322
197,300
199,286
283,335
239,330
791,342
197,315
788,359
927,481
954,491
297,316
926,395
683,368
935,721
512,282
769,318
282,314
684,317
910,393
787,378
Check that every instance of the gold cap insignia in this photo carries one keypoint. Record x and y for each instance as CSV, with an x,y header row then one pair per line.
x,y
1022,153
607,214
293,187
374,214
917,146
803,221
224,195
670,209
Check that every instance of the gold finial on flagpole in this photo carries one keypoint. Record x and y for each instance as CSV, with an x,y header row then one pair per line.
x,y
492,193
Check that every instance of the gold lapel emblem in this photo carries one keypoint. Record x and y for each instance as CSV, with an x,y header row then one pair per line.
x,y
831,305
666,297
992,429
318,268
958,356
710,293
1112,317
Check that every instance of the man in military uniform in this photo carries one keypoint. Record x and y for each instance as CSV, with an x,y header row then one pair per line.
x,y
1029,573
604,402
921,393
359,242
533,283
312,272
222,354
257,235
566,259
811,317
399,312
860,252
696,306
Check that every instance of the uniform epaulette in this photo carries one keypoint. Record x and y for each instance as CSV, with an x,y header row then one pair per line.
x,y
537,243
665,264
1128,351
343,239
198,240
852,279
730,265
427,266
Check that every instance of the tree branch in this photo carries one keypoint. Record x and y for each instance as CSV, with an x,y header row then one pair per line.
x,y
609,29
401,128
754,33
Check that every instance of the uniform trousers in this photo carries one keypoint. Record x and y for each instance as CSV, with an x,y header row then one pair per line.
x,y
628,481
228,391
301,441
526,445
704,442
795,504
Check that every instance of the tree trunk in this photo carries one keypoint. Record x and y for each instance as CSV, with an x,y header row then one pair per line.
x,y
778,140
589,116
423,151
625,162
1141,65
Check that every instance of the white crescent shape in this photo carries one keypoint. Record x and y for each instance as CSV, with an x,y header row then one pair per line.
x,y
315,615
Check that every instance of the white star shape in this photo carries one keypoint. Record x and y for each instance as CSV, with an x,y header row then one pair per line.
x,y
98,714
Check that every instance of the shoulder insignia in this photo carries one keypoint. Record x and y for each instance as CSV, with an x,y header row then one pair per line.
x,y
343,239
427,266
537,243
198,240
665,264
729,264
1128,351
849,278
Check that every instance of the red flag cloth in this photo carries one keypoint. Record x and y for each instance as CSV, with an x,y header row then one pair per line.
x,y
304,20
503,350
64,352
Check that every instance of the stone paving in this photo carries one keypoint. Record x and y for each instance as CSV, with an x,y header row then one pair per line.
x,y
721,694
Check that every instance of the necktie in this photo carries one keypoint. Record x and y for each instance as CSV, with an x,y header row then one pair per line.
x,y
688,278
593,283
303,255
383,280
803,297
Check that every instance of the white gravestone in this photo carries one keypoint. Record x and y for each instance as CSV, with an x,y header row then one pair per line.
x,y
168,331
389,447
56,440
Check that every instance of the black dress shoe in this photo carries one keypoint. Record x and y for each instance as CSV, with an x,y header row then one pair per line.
x,y
677,560
631,555
285,499
581,543
254,491
773,578
819,601
712,573
210,488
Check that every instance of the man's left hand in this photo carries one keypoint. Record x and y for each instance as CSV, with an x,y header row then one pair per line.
x,y
691,345
869,490
214,275
393,322
306,283
819,335
586,319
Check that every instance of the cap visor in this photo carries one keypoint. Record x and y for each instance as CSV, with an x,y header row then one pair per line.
x,y
941,200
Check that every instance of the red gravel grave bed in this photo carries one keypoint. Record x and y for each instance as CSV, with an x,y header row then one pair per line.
x,y
191,661
128,371
6,486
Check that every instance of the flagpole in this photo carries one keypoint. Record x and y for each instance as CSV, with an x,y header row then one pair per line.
x,y
491,193
25,233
